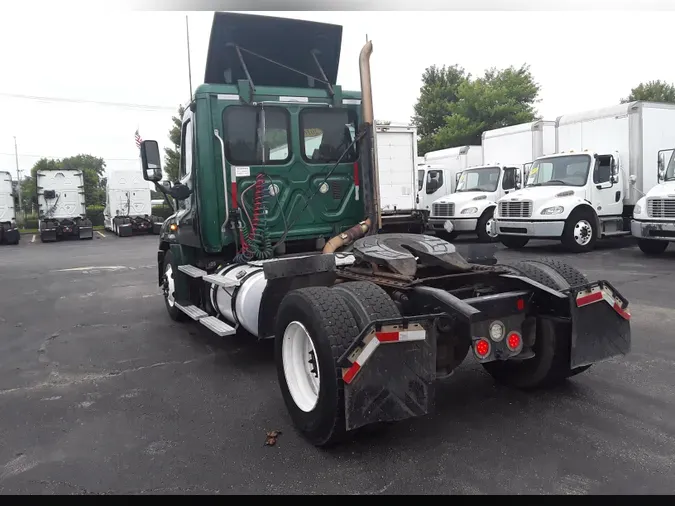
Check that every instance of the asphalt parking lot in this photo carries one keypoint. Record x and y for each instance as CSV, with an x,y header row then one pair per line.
x,y
100,392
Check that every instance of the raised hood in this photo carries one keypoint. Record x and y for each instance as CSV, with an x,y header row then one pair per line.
x,y
286,41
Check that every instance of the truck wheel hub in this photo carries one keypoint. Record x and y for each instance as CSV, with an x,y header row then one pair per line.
x,y
301,366
488,228
168,285
583,232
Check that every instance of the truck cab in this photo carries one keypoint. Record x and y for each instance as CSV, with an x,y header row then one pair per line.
x,y
433,181
653,222
470,208
9,232
573,197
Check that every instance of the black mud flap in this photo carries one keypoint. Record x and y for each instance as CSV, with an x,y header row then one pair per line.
x,y
389,373
600,323
86,232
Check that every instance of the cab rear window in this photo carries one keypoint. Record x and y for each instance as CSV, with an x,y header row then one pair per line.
x,y
257,135
327,135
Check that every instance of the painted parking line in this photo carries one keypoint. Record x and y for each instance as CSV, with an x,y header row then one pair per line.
x,y
33,239
100,233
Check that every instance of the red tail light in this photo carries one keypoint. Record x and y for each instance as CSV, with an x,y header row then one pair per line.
x,y
514,341
520,304
482,348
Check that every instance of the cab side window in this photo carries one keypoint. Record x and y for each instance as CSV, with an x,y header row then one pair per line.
x,y
509,181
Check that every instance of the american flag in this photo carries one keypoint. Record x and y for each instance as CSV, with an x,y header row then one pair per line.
x,y
138,139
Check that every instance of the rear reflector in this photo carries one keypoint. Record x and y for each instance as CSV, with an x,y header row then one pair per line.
x,y
597,294
348,375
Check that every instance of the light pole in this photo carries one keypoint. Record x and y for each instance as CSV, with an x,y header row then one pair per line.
x,y
18,175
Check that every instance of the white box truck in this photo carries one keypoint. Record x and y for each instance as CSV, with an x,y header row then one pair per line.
x,y
397,162
606,160
653,221
442,170
9,232
128,206
61,205
505,153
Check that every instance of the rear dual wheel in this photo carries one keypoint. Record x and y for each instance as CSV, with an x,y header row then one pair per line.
x,y
553,340
314,327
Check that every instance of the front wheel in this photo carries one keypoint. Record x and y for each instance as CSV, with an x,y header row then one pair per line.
x,y
581,232
484,227
314,327
652,247
514,241
169,290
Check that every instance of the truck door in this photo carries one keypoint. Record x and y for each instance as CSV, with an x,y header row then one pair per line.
x,y
435,186
607,186
185,215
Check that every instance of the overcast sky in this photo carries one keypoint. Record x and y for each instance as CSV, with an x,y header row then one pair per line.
x,y
582,61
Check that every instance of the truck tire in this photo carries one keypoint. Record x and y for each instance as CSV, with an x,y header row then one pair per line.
x,y
168,289
314,327
513,241
552,346
652,247
366,301
484,225
581,231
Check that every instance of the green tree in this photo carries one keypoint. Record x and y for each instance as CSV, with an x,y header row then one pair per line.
x,y
172,155
652,91
438,92
499,99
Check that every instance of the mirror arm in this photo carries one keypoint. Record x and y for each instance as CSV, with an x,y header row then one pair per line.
x,y
162,190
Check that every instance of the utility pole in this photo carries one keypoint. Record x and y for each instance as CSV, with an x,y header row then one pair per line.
x,y
18,174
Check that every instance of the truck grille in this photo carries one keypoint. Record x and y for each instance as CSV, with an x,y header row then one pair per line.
x,y
515,209
443,210
661,208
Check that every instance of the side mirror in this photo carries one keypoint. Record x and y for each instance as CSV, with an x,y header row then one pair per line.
x,y
662,175
180,191
519,180
151,161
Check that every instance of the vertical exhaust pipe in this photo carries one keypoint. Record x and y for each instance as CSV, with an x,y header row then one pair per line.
x,y
369,120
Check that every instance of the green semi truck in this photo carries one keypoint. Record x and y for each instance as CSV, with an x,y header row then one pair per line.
x,y
277,241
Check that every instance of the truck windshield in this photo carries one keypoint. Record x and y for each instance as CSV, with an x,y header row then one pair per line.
x,y
479,180
569,170
326,134
420,180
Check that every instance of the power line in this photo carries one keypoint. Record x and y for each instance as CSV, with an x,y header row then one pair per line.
x,y
85,101
51,156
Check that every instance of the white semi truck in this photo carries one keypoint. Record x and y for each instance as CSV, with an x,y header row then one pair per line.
x,y
61,205
9,232
128,206
505,153
441,172
606,160
653,221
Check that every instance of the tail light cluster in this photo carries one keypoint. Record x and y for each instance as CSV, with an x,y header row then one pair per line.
x,y
505,343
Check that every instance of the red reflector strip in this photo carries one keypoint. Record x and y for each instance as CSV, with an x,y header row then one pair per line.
x,y
233,190
380,338
589,299
348,376
584,300
623,312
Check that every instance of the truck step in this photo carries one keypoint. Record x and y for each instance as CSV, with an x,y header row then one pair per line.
x,y
192,271
616,233
217,326
220,281
192,311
